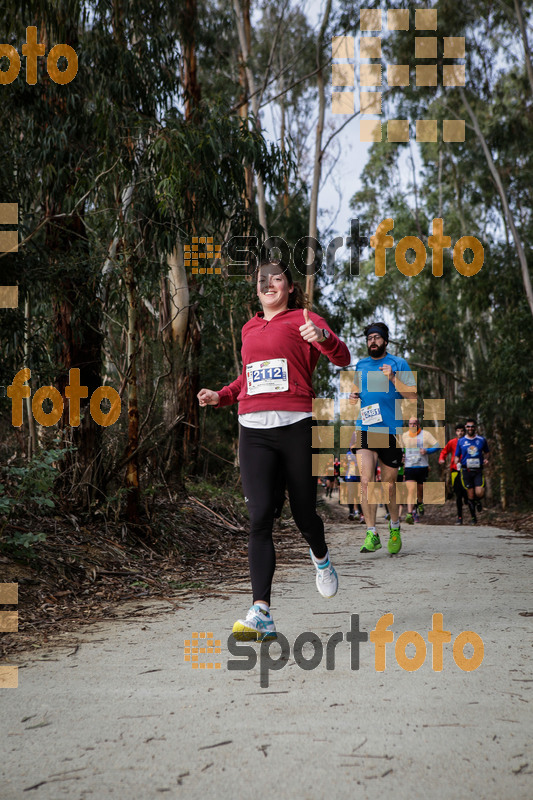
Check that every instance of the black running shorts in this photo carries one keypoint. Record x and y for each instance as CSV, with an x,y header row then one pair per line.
x,y
391,456
472,477
418,474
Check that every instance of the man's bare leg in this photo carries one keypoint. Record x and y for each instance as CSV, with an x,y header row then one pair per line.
x,y
366,462
411,495
389,476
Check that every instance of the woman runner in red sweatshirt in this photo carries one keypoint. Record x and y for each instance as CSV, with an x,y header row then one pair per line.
x,y
280,349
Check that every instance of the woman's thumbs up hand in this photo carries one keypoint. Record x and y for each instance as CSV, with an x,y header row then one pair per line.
x,y
309,331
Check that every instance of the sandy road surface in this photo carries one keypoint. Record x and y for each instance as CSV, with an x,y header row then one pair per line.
x,y
123,715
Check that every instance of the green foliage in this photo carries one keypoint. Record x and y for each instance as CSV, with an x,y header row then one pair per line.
x,y
28,487
468,338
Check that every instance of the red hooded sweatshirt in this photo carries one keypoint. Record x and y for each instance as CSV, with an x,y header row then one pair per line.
x,y
449,449
280,338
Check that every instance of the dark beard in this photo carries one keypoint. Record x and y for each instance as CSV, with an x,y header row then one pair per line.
x,y
379,350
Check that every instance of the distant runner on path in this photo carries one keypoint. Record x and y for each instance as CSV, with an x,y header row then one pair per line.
x,y
381,381
418,444
471,452
457,486
280,349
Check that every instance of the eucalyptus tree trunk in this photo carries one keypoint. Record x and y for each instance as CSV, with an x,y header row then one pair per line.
x,y
523,33
526,278
32,439
132,468
179,328
317,167
245,50
243,108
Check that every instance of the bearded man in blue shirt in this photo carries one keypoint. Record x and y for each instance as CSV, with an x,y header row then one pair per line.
x,y
381,382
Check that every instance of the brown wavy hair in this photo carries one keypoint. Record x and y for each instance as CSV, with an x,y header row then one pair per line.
x,y
297,298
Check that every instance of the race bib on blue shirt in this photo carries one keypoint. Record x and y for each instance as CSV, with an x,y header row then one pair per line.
x,y
371,415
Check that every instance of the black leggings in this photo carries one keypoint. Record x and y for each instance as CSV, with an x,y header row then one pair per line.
x,y
264,453
460,494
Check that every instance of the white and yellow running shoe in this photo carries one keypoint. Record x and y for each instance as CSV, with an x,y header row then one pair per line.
x,y
257,627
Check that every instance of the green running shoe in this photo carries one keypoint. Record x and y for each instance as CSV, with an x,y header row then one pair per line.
x,y
421,509
372,543
409,519
394,545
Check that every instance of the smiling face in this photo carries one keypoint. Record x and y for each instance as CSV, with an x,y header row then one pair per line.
x,y
273,289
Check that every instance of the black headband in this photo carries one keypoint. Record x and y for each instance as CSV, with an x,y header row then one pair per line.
x,y
377,329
